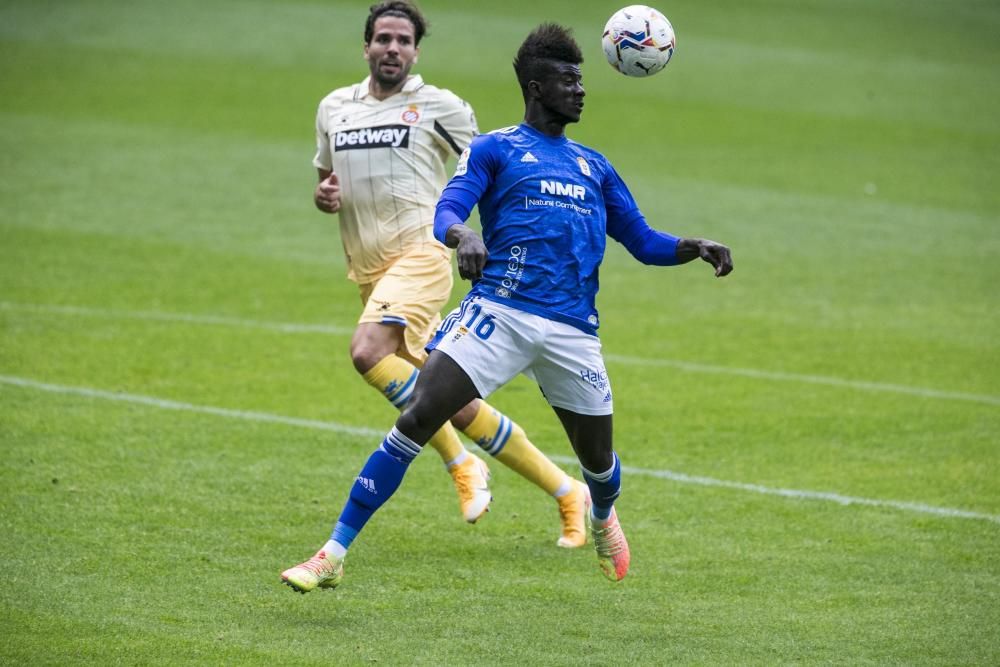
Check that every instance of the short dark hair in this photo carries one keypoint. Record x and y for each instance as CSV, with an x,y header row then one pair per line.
x,y
401,8
547,43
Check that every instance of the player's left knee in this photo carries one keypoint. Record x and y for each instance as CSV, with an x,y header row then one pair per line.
x,y
417,425
365,356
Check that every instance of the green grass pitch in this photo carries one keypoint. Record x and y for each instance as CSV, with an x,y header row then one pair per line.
x,y
812,444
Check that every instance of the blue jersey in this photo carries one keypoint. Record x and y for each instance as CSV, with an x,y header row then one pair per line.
x,y
546,205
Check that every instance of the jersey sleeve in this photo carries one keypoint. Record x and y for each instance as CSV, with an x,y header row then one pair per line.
x,y
628,226
476,170
454,123
324,156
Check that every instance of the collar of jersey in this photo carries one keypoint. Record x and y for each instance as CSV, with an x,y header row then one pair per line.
x,y
413,82
544,137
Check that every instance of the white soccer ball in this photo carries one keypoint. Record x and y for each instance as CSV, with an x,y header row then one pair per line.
x,y
638,40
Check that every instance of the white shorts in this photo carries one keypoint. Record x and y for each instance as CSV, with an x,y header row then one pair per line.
x,y
493,343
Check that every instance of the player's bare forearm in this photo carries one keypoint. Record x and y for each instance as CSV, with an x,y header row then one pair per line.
x,y
714,253
470,251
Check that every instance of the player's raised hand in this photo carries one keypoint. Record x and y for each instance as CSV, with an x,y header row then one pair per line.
x,y
714,253
717,255
327,195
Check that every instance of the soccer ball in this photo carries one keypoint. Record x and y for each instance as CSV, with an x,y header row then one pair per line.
x,y
638,40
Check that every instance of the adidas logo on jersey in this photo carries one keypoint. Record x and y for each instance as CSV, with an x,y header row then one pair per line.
x,y
528,157
386,136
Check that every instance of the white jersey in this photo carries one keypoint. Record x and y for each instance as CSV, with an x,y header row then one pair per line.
x,y
390,158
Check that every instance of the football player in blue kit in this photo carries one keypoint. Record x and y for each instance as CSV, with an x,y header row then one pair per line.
x,y
547,205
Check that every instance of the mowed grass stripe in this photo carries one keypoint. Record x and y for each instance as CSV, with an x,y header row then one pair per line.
x,y
366,432
694,367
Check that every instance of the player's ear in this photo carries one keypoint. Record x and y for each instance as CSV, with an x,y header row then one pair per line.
x,y
366,51
416,53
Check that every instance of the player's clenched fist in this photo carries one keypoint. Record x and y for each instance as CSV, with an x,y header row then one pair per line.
x,y
327,195
469,250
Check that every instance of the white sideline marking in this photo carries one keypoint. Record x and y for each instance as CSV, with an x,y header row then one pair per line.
x,y
178,317
634,361
795,493
811,379
167,404
362,431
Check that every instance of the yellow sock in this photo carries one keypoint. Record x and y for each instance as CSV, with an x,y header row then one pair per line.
x,y
509,444
394,377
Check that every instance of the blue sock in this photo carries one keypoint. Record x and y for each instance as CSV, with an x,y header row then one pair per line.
x,y
375,484
605,487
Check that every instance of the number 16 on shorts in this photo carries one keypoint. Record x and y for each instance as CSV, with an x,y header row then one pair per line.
x,y
493,342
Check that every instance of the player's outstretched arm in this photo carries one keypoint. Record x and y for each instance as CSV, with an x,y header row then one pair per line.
x,y
470,251
714,253
651,246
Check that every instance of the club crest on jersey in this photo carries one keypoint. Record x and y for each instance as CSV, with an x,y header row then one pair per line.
x,y
411,115
584,167
384,136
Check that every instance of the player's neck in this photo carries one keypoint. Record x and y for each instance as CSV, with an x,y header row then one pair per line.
x,y
547,125
380,92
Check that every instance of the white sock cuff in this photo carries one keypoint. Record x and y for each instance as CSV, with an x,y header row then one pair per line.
x,y
602,476
464,454
335,549
564,488
402,442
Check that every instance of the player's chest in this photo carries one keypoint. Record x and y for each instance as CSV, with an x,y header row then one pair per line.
x,y
359,126
557,176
